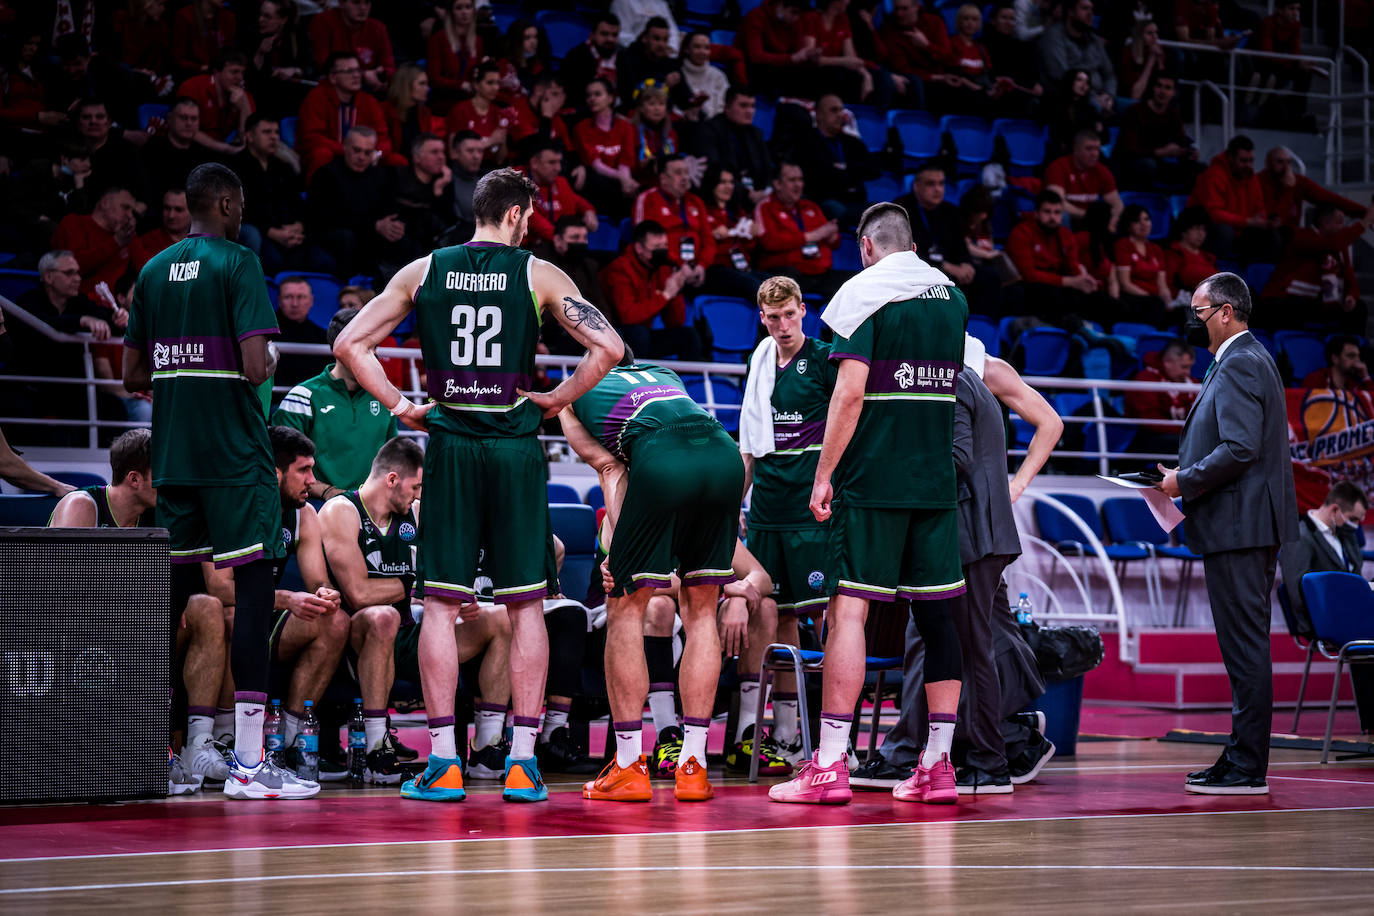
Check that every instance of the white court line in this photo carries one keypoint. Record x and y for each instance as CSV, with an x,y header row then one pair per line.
x,y
1112,768
678,833
614,870
1344,782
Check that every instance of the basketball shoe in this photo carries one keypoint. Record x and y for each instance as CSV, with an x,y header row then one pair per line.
x,y
933,785
626,784
442,780
816,785
180,780
690,782
267,780
207,760
523,782
663,760
488,762
771,760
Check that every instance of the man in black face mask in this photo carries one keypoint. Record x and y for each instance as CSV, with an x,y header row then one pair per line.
x,y
1236,480
567,250
641,285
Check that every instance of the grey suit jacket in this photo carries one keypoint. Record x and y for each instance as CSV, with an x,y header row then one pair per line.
x,y
986,526
1313,553
1235,472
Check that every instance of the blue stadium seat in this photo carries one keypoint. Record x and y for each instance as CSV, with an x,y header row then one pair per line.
x,y
951,16
973,138
1025,141
1158,207
764,114
26,511
6,257
606,237
919,133
983,328
287,127
723,37
564,30
503,17
748,6
1257,275
1177,204
562,493
595,497
575,525
735,325
872,126
1152,342
727,394
704,12
1058,530
846,257
151,110
1112,134
1046,350
1202,363
326,290
882,188
1306,352
15,283
1067,402
1119,436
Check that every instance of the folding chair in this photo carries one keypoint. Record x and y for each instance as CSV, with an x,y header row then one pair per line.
x,y
1306,644
1342,609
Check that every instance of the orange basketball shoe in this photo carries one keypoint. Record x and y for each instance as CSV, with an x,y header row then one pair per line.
x,y
692,784
627,784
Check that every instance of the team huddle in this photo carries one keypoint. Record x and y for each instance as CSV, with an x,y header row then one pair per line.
x,y
848,449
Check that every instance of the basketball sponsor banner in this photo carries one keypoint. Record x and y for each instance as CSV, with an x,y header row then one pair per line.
x,y
1331,433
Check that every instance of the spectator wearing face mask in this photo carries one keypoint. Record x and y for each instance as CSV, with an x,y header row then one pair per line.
x,y
642,285
567,250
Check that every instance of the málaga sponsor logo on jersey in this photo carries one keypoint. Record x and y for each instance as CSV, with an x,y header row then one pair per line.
x,y
406,531
180,354
905,375
801,367
908,376
453,388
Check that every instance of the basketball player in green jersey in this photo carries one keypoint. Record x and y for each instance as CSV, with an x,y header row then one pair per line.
x,y
197,338
675,510
479,307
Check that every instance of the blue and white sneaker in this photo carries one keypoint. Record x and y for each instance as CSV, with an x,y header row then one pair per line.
x,y
441,781
266,780
523,782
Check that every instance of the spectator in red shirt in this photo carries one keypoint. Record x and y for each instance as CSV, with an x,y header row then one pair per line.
x,y
555,197
333,108
1188,264
100,241
674,207
482,115
220,95
454,51
200,29
968,82
539,120
1345,368
1315,281
1231,194
796,239
642,285
773,39
1080,179
407,111
21,90
1141,270
828,28
144,32
176,223
1175,365
1286,191
350,27
522,61
732,229
1046,255
1199,22
605,143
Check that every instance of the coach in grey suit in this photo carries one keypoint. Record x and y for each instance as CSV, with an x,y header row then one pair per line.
x,y
1236,479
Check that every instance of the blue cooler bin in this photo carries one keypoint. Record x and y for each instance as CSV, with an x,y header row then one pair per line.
x,y
1061,703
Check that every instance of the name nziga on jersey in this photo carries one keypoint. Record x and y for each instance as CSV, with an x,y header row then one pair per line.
x,y
184,270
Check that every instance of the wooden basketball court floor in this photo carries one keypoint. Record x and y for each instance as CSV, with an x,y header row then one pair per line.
x,y
1108,828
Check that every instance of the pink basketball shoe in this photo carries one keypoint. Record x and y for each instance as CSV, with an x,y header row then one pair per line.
x,y
817,785
932,785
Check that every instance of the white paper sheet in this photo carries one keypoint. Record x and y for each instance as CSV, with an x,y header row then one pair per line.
x,y
1162,507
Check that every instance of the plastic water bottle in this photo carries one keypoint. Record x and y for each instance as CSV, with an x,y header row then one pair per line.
x,y
1024,613
308,743
357,744
272,733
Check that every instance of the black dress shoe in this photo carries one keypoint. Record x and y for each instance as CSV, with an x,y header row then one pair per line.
x,y
560,755
1203,774
972,780
1027,765
1226,779
878,774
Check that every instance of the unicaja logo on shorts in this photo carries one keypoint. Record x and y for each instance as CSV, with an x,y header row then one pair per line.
x,y
816,579
905,375
407,531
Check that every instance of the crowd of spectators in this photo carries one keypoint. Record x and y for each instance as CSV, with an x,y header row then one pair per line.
x,y
359,131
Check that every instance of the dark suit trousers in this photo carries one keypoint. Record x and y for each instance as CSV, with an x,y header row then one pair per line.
x,y
1238,584
980,700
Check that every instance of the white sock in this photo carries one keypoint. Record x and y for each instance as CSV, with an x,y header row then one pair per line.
x,y
748,706
834,738
290,727
939,739
784,718
522,737
662,710
375,726
629,743
491,719
441,741
198,728
248,730
694,733
224,724
555,717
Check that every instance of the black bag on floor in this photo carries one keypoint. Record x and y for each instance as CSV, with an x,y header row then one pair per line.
x,y
1064,653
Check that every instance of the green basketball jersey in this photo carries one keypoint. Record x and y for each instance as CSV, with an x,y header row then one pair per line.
x,y
104,515
193,303
633,400
290,541
387,552
901,455
783,480
479,326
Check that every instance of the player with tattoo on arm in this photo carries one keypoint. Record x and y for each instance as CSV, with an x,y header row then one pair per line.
x,y
479,307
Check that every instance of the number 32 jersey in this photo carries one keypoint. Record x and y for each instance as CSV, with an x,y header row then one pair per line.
x,y
479,325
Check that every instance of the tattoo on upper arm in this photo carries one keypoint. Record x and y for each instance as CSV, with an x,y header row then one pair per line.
x,y
584,313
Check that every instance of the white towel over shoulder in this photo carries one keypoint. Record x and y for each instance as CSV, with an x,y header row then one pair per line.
x,y
756,414
896,277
